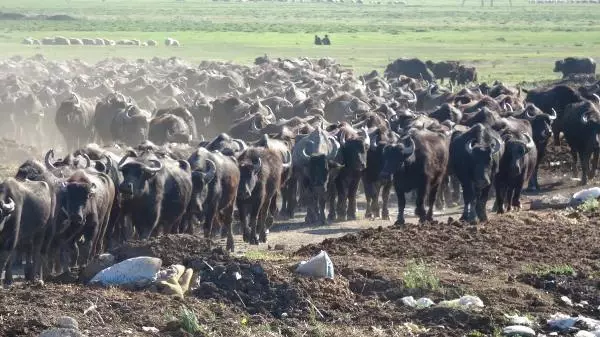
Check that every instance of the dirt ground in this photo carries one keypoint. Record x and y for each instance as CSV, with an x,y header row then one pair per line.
x,y
513,263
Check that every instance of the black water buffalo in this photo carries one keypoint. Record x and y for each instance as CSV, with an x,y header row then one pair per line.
x,y
414,68
447,112
541,125
215,179
169,128
130,126
26,214
105,112
463,75
226,145
74,121
86,201
260,181
353,156
373,185
553,101
516,168
575,65
157,192
443,69
185,115
418,161
317,142
581,127
475,160
320,174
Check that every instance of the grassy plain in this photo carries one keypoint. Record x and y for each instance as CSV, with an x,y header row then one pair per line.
x,y
510,43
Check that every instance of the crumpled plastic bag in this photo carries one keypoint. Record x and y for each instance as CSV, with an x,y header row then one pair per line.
x,y
518,330
174,280
583,195
560,321
134,272
422,302
520,320
319,265
465,302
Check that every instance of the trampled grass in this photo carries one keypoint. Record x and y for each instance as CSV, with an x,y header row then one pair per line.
x,y
509,43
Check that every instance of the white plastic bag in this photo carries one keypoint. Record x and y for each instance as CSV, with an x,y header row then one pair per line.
x,y
518,330
584,195
137,270
319,265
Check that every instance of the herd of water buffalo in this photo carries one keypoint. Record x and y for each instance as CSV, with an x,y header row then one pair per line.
x,y
160,146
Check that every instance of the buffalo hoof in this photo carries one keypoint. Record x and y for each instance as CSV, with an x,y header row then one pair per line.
x,y
351,217
230,247
385,215
399,222
263,237
332,217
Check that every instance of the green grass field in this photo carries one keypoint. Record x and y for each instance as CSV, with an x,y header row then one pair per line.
x,y
518,43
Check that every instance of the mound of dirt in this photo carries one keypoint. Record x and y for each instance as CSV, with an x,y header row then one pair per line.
x,y
171,249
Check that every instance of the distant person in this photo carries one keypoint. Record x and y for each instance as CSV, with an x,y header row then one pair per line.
x,y
318,40
326,40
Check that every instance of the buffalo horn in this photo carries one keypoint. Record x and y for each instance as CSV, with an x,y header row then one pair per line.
x,y
495,145
8,208
287,159
469,146
257,165
530,144
553,115
212,171
158,166
48,160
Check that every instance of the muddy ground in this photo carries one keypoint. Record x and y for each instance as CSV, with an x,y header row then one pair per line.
x,y
515,263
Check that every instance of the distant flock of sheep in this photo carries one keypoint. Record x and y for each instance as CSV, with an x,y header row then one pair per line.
x,y
65,41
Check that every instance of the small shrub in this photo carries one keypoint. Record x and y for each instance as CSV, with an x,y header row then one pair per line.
x,y
420,276
558,269
188,320
590,205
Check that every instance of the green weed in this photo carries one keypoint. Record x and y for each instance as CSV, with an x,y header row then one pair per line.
x,y
418,275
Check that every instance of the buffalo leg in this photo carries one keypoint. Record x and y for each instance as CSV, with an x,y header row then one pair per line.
x,y
227,221
585,167
371,190
261,222
500,197
469,198
270,217
6,265
401,202
422,192
352,190
574,164
342,194
481,203
595,158
209,221
254,213
385,197
331,191
433,192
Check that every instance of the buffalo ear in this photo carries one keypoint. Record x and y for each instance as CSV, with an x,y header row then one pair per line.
x,y
184,165
101,167
93,188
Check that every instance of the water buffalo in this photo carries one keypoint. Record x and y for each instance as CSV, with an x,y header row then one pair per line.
x,y
414,68
575,65
418,161
475,160
582,132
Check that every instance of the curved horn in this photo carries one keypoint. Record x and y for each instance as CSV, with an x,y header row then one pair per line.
x,y
88,162
240,143
129,153
155,168
287,159
585,118
597,98
129,109
108,163
76,98
414,99
510,108
529,113
49,164
254,126
257,165
530,144
212,171
553,115
342,138
495,145
8,208
469,146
